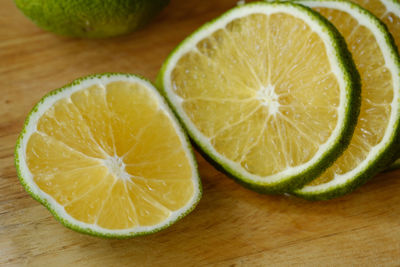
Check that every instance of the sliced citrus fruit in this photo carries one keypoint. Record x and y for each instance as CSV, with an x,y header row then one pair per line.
x,y
387,11
376,138
267,91
106,156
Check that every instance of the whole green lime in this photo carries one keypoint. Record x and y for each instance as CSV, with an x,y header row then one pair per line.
x,y
91,18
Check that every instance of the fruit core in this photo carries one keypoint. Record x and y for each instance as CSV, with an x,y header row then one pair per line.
x,y
116,166
269,98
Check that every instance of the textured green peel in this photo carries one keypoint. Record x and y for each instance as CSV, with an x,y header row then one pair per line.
x,y
91,19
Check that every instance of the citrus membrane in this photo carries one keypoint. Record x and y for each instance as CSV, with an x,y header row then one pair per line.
x,y
267,91
375,140
106,156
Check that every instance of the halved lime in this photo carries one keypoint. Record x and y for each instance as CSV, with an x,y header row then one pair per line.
x,y
376,138
268,92
106,156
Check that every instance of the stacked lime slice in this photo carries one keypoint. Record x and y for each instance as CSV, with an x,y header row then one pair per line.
x,y
375,141
389,12
264,89
268,92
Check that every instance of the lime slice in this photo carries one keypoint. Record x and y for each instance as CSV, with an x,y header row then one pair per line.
x,y
376,138
106,156
267,91
386,10
389,12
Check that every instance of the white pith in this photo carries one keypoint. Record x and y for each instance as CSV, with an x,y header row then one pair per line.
x,y
390,63
391,6
222,22
394,7
112,163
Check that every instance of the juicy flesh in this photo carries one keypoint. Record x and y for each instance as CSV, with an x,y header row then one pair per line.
x,y
376,93
111,157
262,92
391,20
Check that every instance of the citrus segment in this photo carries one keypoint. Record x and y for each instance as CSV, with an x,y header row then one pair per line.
x,y
245,89
151,211
78,207
53,124
46,153
117,210
377,63
107,157
129,124
92,106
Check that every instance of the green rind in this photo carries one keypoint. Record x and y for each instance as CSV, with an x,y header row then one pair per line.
x,y
394,166
90,19
353,108
388,155
66,222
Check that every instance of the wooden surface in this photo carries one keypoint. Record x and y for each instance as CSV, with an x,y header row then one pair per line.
x,y
231,226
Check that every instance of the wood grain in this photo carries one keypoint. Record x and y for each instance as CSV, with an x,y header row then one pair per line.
x,y
231,226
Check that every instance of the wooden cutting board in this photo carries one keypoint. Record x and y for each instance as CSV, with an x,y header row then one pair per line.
x,y
231,226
